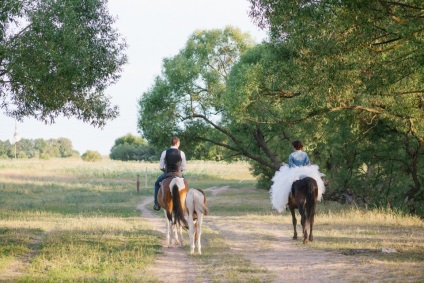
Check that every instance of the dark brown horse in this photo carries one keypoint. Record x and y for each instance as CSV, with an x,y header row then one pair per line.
x,y
303,196
171,197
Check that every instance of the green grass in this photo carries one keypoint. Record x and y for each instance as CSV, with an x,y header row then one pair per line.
x,y
72,221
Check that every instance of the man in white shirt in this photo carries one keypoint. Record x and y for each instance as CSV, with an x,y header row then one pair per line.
x,y
172,160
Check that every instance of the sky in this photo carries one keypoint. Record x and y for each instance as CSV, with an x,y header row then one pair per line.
x,y
153,30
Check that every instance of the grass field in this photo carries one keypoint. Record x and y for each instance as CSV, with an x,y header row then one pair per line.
x,y
70,220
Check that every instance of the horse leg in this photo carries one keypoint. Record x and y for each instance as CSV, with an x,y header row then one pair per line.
x,y
199,232
307,224
175,228
191,231
168,229
311,221
304,222
180,227
294,222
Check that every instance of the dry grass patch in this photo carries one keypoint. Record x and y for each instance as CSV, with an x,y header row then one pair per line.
x,y
341,229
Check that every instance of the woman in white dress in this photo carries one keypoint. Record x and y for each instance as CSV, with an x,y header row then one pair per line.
x,y
299,167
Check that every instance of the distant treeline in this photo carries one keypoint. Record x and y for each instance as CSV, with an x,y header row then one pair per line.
x,y
38,148
126,148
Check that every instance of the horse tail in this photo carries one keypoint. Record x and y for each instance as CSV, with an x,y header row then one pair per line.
x,y
200,202
177,208
311,197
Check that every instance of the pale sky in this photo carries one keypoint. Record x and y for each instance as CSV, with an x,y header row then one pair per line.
x,y
153,30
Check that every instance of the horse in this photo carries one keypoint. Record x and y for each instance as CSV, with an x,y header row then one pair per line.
x,y
304,194
196,208
171,197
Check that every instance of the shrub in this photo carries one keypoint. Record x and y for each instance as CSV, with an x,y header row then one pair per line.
x,y
91,155
130,147
44,156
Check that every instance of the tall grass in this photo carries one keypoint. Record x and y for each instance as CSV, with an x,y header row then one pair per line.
x,y
75,221
71,220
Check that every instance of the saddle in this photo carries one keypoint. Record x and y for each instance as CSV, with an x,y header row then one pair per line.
x,y
174,174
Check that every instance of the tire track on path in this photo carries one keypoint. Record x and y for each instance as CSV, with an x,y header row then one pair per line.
x,y
173,264
271,247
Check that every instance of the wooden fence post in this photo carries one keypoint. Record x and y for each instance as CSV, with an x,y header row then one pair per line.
x,y
145,179
138,183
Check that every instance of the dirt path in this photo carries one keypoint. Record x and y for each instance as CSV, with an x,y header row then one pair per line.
x,y
180,267
273,249
268,247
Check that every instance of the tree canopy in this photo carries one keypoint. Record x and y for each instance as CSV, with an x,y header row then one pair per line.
x,y
345,78
57,58
366,58
187,97
130,147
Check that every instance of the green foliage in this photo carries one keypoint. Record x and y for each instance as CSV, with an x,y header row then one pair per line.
x,y
127,152
363,57
57,58
344,77
130,147
91,155
43,149
188,94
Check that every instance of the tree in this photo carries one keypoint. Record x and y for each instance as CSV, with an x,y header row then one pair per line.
x,y
365,57
130,147
91,155
367,141
187,96
57,58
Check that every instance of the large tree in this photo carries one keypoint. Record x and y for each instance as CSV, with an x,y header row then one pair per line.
x,y
57,58
187,98
366,57
359,116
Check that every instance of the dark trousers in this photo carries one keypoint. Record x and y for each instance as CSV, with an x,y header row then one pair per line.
x,y
157,185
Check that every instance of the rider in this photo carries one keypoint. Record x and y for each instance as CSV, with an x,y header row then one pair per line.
x,y
299,167
298,157
172,160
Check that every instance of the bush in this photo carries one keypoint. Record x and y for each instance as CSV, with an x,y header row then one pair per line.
x,y
44,156
91,155
130,147
22,155
137,152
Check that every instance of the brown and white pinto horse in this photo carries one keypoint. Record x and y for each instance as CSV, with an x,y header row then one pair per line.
x,y
171,197
303,196
196,208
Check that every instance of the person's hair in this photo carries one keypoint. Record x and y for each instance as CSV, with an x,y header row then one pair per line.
x,y
174,141
297,145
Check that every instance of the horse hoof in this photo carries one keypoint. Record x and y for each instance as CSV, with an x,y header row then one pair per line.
x,y
294,237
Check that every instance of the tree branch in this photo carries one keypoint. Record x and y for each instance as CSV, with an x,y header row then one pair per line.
x,y
259,137
405,5
239,148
